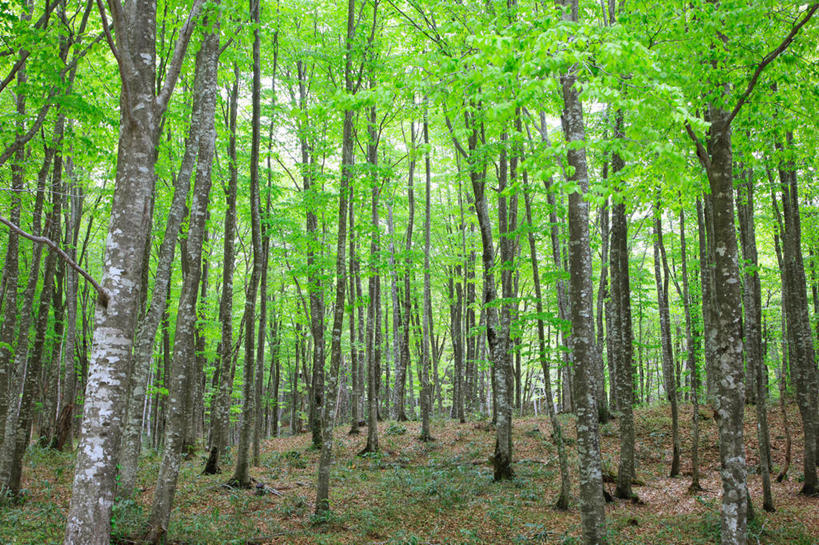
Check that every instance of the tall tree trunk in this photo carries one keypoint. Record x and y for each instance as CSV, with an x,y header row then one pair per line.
x,y
355,347
621,334
602,297
398,402
661,277
592,513
69,391
725,332
803,365
325,457
691,343
562,502
426,394
374,308
131,445
142,108
220,407
504,372
11,264
184,345
502,458
19,418
752,302
23,379
241,475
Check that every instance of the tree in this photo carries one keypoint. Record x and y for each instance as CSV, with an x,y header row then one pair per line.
x,y
89,516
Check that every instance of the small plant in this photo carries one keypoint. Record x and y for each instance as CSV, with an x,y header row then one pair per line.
x,y
293,506
396,429
295,460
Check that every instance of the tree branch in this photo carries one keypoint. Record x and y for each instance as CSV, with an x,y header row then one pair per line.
x,y
702,153
768,59
175,65
103,295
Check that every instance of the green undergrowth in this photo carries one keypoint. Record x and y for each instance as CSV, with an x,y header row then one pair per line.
x,y
417,493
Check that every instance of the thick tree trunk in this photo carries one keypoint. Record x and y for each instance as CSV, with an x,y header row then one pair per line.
x,y
725,333
146,329
89,515
592,513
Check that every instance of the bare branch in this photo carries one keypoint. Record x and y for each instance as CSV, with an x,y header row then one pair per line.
x,y
103,295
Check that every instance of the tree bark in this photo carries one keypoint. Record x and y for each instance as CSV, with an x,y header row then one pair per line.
x,y
562,502
661,277
592,513
220,407
184,346
752,302
142,108
241,475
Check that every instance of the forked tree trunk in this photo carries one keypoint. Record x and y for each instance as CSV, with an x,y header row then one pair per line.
x,y
184,347
142,108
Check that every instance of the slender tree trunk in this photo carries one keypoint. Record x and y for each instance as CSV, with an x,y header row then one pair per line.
x,y
426,394
661,277
691,362
184,346
602,296
241,475
621,334
220,407
325,458
19,417
374,309
355,348
403,363
562,502
752,302
803,365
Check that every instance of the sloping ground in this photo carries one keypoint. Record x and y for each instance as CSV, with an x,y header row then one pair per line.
x,y
439,492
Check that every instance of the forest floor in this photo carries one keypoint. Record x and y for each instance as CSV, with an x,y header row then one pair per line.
x,y
439,492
